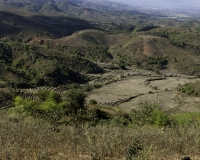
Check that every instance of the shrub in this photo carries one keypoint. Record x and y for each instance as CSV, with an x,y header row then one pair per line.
x,y
119,121
23,107
76,99
92,101
44,95
149,115
49,107
142,116
160,118
185,119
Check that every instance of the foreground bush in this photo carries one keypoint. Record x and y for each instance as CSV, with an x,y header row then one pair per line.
x,y
50,105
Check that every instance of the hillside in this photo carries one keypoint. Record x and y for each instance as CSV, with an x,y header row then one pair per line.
x,y
102,5
40,25
96,11
50,8
73,56
95,80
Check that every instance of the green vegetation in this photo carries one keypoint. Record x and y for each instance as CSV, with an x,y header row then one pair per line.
x,y
51,49
40,25
71,108
123,135
50,105
191,89
149,115
154,63
92,101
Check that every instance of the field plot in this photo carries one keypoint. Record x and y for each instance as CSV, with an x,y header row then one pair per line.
x,y
130,92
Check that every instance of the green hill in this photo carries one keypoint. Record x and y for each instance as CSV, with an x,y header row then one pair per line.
x,y
40,25
108,12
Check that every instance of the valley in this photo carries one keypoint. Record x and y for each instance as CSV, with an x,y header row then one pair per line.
x,y
99,80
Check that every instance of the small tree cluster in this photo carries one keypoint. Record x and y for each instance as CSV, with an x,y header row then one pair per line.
x,y
51,105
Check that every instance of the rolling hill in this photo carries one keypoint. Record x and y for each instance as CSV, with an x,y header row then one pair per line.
x,y
96,11
50,44
40,25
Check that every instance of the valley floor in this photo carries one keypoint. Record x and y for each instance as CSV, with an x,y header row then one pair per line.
x,y
161,89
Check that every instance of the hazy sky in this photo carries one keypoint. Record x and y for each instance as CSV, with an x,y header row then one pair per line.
x,y
163,3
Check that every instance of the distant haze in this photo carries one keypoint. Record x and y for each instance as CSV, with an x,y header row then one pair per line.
x,y
187,4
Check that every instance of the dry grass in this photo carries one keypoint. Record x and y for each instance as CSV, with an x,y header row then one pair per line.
x,y
36,139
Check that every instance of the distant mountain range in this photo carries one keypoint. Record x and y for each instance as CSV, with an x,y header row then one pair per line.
x,y
92,10
63,5
95,10
102,5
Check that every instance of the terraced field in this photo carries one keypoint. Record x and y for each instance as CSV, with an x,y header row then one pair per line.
x,y
131,91
127,89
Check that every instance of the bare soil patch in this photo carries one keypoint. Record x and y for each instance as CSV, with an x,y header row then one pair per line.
x,y
149,48
127,94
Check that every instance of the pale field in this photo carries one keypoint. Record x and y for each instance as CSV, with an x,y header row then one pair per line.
x,y
165,95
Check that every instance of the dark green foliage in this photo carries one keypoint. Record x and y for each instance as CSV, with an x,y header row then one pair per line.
x,y
122,65
91,52
76,99
88,88
161,61
89,116
44,95
37,69
5,53
43,26
154,63
120,120
145,28
84,65
5,96
92,101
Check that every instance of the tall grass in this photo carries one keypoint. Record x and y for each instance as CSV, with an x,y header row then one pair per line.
x,y
30,138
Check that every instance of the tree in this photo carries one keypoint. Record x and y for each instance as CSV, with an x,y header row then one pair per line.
x,y
76,99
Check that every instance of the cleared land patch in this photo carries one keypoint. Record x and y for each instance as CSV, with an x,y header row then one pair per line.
x,y
127,94
149,48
